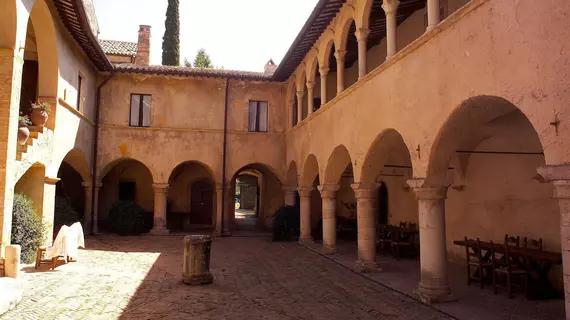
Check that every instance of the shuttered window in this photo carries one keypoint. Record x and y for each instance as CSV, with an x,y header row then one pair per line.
x,y
140,110
257,116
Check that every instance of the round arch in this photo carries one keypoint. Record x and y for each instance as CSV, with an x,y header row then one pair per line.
x,y
362,14
292,176
312,65
77,160
46,41
326,45
300,77
389,144
337,163
310,171
345,20
467,126
110,165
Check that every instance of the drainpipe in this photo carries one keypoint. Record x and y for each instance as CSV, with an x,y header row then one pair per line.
x,y
224,155
95,147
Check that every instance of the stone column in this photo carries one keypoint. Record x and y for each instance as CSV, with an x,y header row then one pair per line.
x,y
328,196
324,72
48,208
305,193
310,96
293,120
12,261
160,192
362,37
559,176
220,189
289,195
11,64
87,208
433,286
367,210
432,14
95,222
300,94
339,55
391,9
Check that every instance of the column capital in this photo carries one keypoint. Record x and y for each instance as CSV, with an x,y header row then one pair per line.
x,y
160,187
365,190
559,176
289,188
324,71
339,55
305,191
51,180
361,34
424,192
310,85
390,6
300,94
328,190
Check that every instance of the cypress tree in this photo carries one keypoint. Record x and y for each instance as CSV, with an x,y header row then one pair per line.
x,y
171,39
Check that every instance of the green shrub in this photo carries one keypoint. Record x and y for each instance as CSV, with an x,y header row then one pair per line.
x,y
127,218
64,214
286,223
27,228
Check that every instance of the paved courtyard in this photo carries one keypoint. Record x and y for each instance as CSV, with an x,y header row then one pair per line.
x,y
140,278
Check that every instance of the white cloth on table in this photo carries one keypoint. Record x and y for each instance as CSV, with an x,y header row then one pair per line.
x,y
68,240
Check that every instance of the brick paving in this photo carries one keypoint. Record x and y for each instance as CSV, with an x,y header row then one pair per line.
x,y
140,278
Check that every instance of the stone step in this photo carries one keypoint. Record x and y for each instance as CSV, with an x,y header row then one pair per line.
x,y
36,129
34,135
19,156
23,148
12,292
30,141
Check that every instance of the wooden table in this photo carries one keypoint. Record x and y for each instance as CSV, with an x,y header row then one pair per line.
x,y
532,254
539,262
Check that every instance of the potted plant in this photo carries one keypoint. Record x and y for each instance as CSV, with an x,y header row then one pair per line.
x,y
39,114
23,131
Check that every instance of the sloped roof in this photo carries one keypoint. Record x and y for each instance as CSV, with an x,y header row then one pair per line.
x,y
191,72
121,48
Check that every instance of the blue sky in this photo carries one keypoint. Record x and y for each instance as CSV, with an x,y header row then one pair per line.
x,y
237,34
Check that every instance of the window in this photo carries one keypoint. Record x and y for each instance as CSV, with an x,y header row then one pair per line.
x,y
127,190
140,110
79,85
257,116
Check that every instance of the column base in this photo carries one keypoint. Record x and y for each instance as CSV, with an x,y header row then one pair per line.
x,y
198,279
159,232
362,266
430,295
328,250
306,241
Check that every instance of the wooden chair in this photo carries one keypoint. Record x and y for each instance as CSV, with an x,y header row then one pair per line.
x,y
507,271
413,226
475,260
384,238
398,242
513,241
52,261
402,224
532,244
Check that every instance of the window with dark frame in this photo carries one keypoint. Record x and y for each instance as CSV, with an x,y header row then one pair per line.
x,y
140,110
127,190
257,116
79,85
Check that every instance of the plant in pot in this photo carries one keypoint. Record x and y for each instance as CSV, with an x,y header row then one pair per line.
x,y
39,114
23,131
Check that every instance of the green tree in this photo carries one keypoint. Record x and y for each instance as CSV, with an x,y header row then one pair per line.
x,y
171,39
203,60
187,63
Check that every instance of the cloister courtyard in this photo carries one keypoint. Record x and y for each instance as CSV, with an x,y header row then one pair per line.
x,y
140,278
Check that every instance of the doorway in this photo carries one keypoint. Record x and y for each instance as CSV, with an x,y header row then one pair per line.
x,y
383,204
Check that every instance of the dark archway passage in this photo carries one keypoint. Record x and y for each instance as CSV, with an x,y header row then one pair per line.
x,y
383,204
202,202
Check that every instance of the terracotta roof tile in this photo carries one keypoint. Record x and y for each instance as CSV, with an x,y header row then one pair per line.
x,y
121,48
192,72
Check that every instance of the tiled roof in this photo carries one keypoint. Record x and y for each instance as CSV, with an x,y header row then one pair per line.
x,y
191,72
121,48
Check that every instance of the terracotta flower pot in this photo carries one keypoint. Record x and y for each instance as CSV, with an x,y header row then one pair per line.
x,y
39,117
23,135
